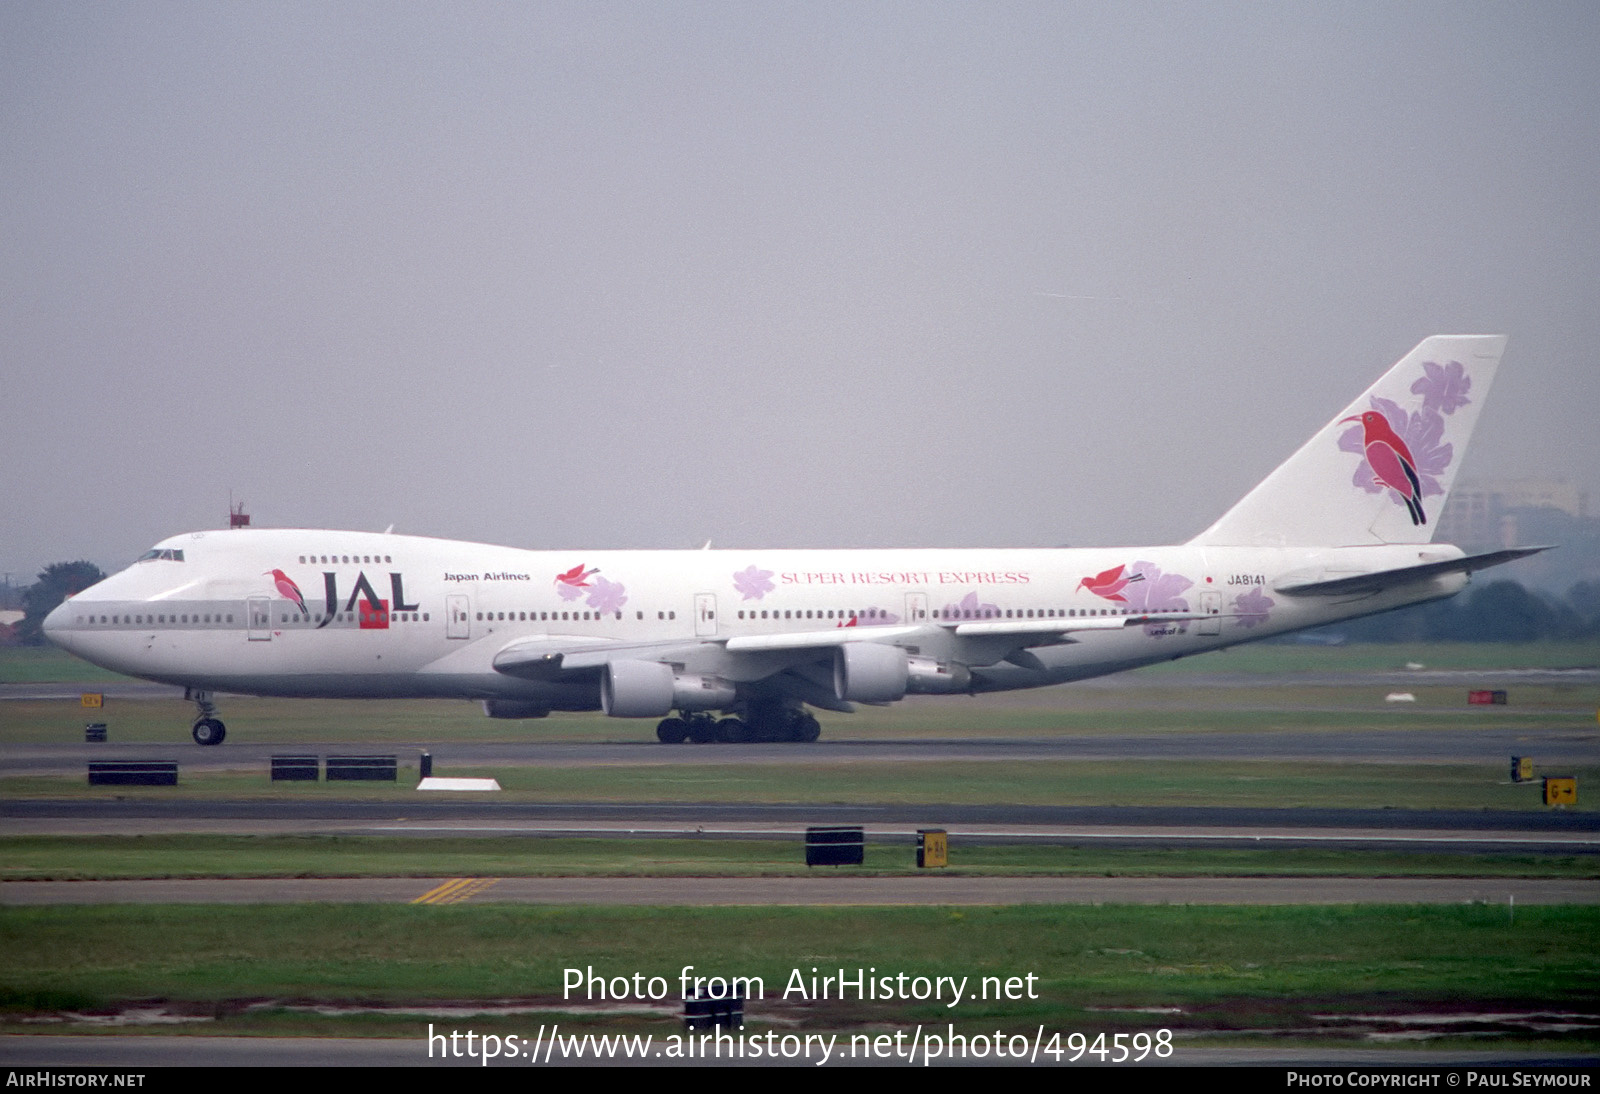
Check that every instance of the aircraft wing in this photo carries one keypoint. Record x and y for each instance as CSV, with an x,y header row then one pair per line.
x,y
1405,575
547,657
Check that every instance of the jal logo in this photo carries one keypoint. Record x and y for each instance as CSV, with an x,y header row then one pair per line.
x,y
374,610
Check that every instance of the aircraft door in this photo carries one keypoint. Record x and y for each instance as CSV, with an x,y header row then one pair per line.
x,y
1211,608
259,610
916,607
705,614
457,616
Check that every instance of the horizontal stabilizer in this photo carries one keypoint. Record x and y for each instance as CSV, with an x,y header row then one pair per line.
x,y
1405,575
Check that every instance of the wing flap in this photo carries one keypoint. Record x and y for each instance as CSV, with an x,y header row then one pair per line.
x,y
1022,628
801,640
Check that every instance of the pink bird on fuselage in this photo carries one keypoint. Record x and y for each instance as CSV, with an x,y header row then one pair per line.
x,y
1391,461
287,588
1110,583
576,576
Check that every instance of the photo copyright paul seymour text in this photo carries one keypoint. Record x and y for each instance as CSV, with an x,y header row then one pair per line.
x,y
1438,1080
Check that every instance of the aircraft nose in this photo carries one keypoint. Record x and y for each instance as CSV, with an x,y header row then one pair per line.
x,y
55,624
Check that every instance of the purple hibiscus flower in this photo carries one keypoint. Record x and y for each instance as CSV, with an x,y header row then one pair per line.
x,y
1156,591
1422,432
607,596
1443,388
969,608
570,592
1253,607
753,584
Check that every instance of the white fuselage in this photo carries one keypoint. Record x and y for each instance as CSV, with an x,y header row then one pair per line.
x,y
370,615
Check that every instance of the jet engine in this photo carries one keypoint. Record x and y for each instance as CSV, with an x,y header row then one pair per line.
x,y
866,672
650,689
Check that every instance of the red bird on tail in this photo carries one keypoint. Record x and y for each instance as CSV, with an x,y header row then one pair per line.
x,y
1391,461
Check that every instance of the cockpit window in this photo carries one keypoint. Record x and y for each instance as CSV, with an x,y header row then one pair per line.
x,y
165,554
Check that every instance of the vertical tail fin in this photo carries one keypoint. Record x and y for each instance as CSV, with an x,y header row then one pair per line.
x,y
1380,472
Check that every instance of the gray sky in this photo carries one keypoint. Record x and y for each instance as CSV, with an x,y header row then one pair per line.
x,y
640,275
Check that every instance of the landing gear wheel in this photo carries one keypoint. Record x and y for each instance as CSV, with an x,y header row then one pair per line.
x,y
732,730
672,731
209,731
806,728
702,729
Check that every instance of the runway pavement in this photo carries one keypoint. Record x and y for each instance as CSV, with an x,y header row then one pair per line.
x,y
1550,832
839,889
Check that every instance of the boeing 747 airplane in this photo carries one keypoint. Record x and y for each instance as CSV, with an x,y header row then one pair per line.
x,y
1342,529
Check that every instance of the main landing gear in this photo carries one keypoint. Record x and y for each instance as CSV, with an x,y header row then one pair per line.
x,y
208,728
764,721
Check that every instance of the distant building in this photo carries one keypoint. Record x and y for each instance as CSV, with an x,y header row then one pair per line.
x,y
1482,516
1486,516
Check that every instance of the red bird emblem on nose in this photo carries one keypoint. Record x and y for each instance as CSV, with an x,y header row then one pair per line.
x,y
577,575
1110,583
287,588
1391,461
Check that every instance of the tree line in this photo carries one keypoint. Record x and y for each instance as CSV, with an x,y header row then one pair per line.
x,y
1499,611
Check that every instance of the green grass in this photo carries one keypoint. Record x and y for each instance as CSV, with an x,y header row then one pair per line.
x,y
1051,712
209,856
49,665
1224,967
